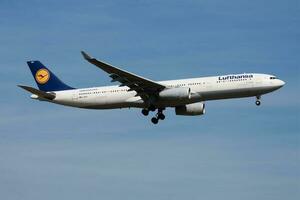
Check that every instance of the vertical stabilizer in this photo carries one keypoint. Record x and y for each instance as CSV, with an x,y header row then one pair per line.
x,y
45,79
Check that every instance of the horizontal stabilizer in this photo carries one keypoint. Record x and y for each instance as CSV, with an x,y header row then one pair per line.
x,y
39,93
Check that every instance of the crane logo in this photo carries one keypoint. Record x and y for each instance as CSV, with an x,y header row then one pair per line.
x,y
42,76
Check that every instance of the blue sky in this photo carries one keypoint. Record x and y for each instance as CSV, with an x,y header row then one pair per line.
x,y
235,151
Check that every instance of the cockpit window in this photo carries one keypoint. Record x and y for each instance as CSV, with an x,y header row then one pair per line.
x,y
273,77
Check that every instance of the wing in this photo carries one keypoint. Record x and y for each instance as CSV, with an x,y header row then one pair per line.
x,y
144,87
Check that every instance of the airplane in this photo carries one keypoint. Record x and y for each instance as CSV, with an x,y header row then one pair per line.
x,y
187,96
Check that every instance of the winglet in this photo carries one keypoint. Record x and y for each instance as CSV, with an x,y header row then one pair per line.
x,y
39,93
86,56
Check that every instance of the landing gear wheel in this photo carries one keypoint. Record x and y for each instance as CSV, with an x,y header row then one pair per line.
x,y
154,120
145,112
257,102
161,116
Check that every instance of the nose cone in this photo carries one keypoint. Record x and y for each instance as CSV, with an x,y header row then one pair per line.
x,y
280,83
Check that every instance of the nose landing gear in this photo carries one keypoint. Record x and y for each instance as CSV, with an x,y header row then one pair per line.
x,y
257,102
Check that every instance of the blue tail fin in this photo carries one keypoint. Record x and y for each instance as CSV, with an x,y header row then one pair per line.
x,y
45,79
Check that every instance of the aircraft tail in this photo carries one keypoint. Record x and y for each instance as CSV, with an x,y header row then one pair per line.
x,y
45,79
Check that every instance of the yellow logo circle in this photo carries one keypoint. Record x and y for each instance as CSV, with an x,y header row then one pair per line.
x,y
42,76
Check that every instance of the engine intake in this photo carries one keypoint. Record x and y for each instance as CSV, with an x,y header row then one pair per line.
x,y
191,109
175,94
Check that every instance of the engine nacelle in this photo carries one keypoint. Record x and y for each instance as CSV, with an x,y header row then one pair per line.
x,y
175,94
191,109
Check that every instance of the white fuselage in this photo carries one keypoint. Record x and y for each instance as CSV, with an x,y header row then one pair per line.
x,y
203,89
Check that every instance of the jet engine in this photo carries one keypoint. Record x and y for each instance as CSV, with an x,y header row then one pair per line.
x,y
175,94
191,109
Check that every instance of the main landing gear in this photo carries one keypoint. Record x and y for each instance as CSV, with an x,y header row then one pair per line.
x,y
158,116
145,112
257,102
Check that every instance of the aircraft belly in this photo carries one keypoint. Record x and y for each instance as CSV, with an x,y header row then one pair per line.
x,y
235,93
114,101
178,102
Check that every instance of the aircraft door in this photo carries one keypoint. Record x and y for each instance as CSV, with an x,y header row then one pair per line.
x,y
258,81
75,96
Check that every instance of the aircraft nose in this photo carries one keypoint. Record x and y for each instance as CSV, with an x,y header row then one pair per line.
x,y
281,83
